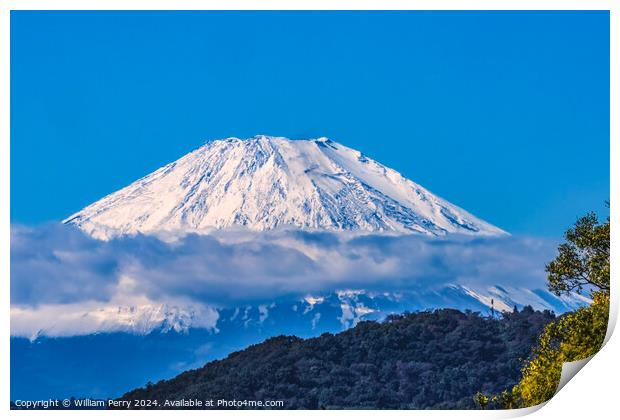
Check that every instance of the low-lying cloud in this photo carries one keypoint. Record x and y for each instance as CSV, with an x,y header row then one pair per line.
x,y
57,264
58,272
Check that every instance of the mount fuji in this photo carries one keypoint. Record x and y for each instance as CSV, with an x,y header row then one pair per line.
x,y
259,191
264,182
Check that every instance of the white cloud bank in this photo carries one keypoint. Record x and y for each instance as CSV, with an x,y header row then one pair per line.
x,y
66,282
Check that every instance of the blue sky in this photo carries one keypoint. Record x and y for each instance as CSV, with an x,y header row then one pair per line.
x,y
505,114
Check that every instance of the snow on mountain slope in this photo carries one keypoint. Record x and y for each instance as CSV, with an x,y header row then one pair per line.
x,y
264,182
335,311
84,318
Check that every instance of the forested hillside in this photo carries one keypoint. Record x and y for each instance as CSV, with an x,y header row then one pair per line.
x,y
423,360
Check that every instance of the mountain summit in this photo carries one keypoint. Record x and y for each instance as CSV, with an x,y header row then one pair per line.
x,y
266,182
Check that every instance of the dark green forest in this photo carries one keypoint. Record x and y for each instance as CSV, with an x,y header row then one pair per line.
x,y
424,360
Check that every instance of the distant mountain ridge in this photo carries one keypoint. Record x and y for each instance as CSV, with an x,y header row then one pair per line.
x,y
334,311
265,182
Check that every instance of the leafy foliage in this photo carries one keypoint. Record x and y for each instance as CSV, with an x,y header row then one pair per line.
x,y
583,260
433,359
574,336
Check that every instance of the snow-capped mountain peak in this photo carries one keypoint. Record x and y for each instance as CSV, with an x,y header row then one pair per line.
x,y
267,182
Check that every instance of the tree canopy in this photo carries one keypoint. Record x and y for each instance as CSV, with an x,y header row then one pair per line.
x,y
575,336
583,260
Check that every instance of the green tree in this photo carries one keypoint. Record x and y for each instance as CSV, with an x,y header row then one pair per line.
x,y
481,400
576,336
583,260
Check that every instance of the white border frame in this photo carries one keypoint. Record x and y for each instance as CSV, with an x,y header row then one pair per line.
x,y
593,395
